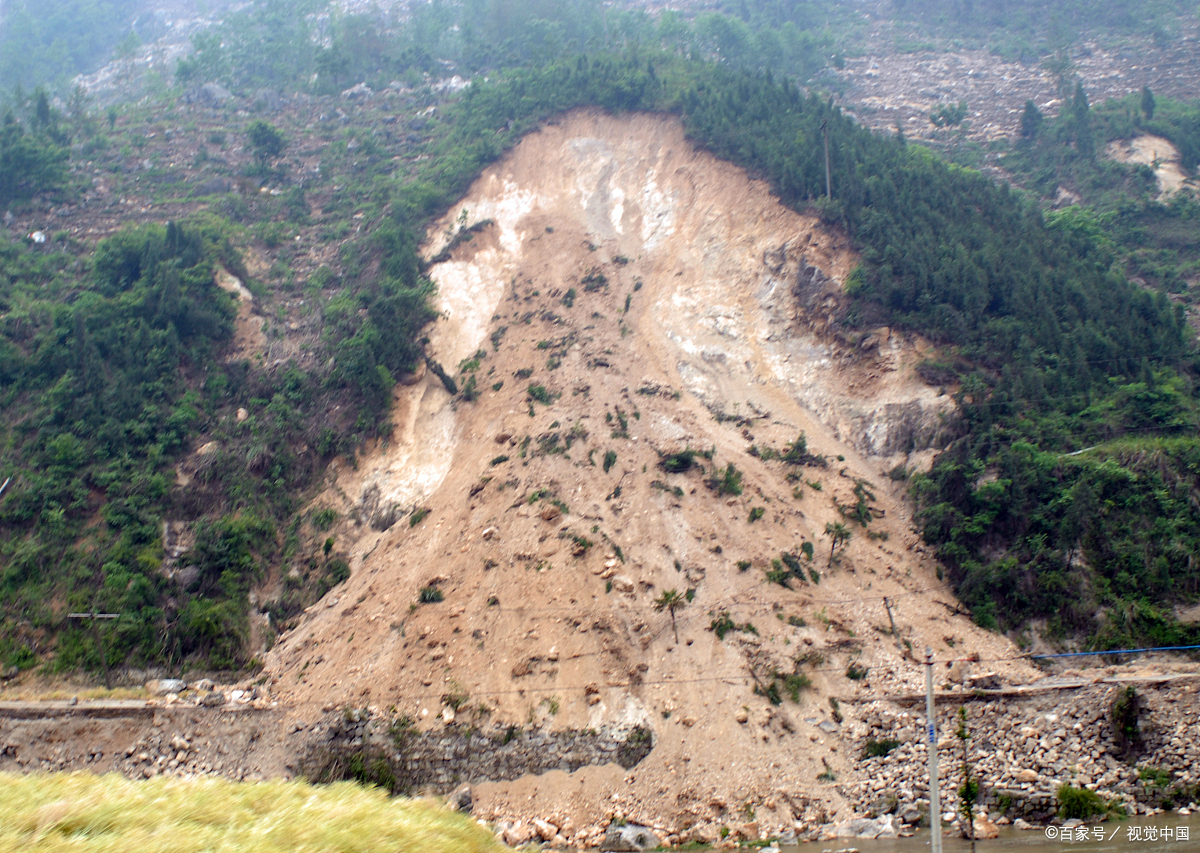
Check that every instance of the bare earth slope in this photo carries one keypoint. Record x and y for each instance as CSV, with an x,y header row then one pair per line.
x,y
644,286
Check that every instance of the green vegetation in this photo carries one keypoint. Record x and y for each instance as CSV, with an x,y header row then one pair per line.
x,y
879,748
726,482
1079,803
1065,493
109,812
671,600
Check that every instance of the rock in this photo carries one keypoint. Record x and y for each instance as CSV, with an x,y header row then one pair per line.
x,y
204,684
242,415
985,681
984,828
11,673
550,512
1027,776
166,685
910,815
1022,824
359,92
622,583
789,837
544,829
517,834
742,716
828,726
490,533
864,828
748,831
503,438
213,699
180,744
211,95
629,838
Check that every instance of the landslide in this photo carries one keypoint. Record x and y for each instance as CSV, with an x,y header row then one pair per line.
x,y
612,296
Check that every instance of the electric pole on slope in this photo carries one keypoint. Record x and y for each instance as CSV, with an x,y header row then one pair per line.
x,y
828,182
96,636
935,800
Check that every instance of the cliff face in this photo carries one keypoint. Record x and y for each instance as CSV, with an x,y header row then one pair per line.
x,y
639,334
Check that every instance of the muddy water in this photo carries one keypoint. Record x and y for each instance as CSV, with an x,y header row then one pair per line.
x,y
1116,839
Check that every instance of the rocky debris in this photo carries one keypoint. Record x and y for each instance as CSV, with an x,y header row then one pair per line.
x,y
629,838
162,687
1024,749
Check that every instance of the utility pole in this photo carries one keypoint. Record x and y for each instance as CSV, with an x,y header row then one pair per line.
x,y
828,182
96,635
935,800
887,603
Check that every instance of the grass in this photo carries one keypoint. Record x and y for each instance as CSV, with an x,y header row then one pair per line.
x,y
83,812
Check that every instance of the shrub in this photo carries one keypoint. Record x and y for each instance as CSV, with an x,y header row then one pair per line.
x,y
541,395
879,748
1125,711
610,459
856,673
418,515
678,463
756,513
498,459
1079,803
727,482
431,595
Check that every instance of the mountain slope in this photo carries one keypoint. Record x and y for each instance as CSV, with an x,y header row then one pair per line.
x,y
623,288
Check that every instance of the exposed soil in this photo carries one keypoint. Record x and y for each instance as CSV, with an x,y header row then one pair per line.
x,y
1157,153
692,295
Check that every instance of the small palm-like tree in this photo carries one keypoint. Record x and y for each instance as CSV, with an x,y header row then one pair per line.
x,y
670,601
839,535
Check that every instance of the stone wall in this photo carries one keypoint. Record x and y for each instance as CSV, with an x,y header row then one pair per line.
x,y
438,761
1022,750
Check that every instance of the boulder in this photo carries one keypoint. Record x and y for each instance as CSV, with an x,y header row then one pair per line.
x,y
162,687
910,815
215,699
212,95
984,828
1027,776
516,834
629,838
461,800
545,829
1022,824
622,583
865,828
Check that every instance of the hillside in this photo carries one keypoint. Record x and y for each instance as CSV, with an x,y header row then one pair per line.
x,y
626,298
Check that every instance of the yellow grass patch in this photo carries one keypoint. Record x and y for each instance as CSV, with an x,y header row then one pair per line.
x,y
84,812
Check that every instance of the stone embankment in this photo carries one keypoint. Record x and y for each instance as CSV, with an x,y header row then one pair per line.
x,y
438,761
1023,750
